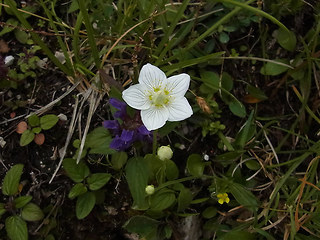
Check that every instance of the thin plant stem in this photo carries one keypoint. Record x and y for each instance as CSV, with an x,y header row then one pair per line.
x,y
155,142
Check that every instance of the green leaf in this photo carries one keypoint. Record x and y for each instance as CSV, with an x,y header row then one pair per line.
x,y
211,80
237,108
21,36
33,120
195,165
85,204
26,137
246,133
31,212
98,180
48,121
2,209
142,225
209,212
77,172
257,93
6,28
77,190
99,140
22,201
137,177
239,235
243,196
162,199
118,160
73,6
184,199
11,180
36,130
16,228
286,39
252,164
274,69
172,171
224,37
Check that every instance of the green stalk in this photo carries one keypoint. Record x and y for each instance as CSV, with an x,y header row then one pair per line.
x,y
60,41
155,142
38,40
178,16
257,11
90,34
210,30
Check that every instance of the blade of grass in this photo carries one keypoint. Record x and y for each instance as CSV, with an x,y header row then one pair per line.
x,y
190,62
38,40
256,11
60,41
211,30
90,34
173,25
296,162
306,106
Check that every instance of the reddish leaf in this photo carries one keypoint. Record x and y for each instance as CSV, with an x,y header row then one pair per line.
x,y
21,127
39,138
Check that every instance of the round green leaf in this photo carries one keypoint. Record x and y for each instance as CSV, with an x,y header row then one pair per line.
x,y
273,69
209,212
31,212
26,137
11,180
286,39
195,165
22,201
77,172
223,37
237,108
48,121
85,204
162,199
98,180
16,228
77,190
36,130
252,164
34,120
172,171
118,160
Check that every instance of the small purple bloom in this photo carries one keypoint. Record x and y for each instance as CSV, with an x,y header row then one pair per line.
x,y
111,124
130,130
121,106
126,135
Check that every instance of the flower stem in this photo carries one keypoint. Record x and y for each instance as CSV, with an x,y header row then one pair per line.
x,y
155,143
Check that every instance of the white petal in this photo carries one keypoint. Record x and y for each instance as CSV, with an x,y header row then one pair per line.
x,y
154,118
179,109
151,76
178,85
135,97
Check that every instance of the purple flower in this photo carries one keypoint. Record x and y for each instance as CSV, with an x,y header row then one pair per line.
x,y
121,106
129,131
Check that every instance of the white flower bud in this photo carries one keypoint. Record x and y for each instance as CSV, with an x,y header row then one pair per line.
x,y
165,153
149,189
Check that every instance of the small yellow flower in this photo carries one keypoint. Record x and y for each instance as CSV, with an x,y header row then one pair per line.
x,y
223,198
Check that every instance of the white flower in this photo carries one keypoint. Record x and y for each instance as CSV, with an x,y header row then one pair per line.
x,y
159,98
165,153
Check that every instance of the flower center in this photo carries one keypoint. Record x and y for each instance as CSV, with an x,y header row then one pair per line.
x,y
159,97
